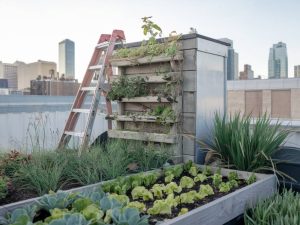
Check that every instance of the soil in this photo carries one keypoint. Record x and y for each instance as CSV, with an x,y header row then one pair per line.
x,y
15,194
153,219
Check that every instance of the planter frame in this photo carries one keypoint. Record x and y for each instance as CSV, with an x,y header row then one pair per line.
x,y
216,212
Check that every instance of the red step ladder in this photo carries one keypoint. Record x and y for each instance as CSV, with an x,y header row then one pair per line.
x,y
100,68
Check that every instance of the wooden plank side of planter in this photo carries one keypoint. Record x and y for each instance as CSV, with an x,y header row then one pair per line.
x,y
143,136
145,60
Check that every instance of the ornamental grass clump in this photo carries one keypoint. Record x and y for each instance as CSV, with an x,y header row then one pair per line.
x,y
247,144
280,209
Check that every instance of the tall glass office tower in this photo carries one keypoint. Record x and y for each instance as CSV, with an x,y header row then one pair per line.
x,y
278,61
66,59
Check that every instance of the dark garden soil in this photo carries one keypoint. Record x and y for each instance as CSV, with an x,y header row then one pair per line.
x,y
156,218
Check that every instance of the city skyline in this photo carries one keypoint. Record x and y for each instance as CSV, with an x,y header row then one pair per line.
x,y
250,24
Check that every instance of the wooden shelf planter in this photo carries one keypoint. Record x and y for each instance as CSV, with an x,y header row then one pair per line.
x,y
216,212
138,118
146,60
153,78
143,136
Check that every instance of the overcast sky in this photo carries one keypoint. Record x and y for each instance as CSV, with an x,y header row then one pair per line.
x,y
31,29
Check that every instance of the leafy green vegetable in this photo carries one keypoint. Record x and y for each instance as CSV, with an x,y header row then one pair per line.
x,y
233,183
138,205
172,200
188,197
160,207
81,203
71,219
187,166
3,187
169,178
59,200
200,177
141,192
121,198
174,170
217,179
233,176
56,214
172,187
128,216
205,190
183,211
193,171
186,182
251,179
207,171
92,212
224,187
157,190
20,216
136,180
150,178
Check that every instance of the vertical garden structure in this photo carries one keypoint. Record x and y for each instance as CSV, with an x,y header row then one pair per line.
x,y
196,78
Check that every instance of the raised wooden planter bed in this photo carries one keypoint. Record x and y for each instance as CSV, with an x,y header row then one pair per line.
x,y
216,212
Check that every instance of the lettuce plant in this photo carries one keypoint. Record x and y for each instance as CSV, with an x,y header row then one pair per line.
x,y
217,179
224,187
172,187
233,176
172,201
193,171
141,192
158,190
92,212
56,214
205,190
183,211
169,178
186,182
175,170
150,178
137,205
200,177
207,171
188,197
160,207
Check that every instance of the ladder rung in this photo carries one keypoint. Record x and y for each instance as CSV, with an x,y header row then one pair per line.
x,y
88,88
103,45
81,110
72,133
96,67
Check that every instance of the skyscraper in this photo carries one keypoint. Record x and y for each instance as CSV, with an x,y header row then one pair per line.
x,y
66,59
297,71
232,61
278,61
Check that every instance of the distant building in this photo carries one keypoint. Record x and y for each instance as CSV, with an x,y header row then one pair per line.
x,y
247,74
232,61
278,61
9,71
66,58
297,71
31,71
3,83
54,87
